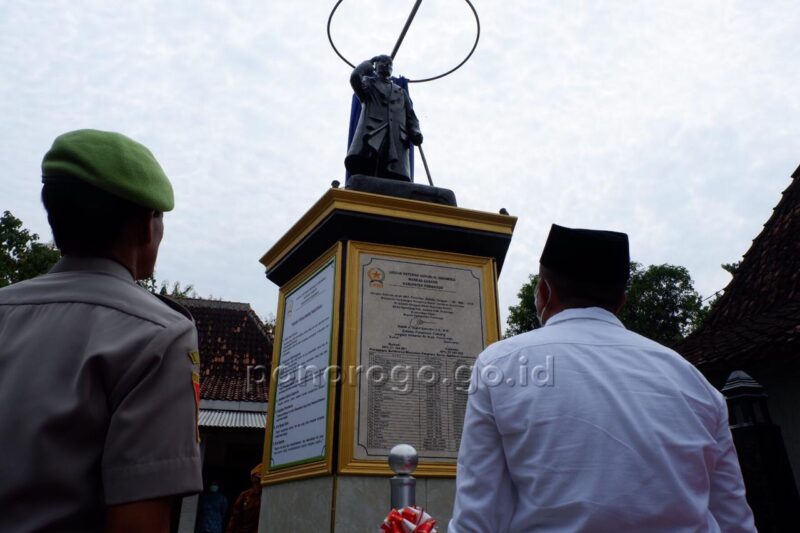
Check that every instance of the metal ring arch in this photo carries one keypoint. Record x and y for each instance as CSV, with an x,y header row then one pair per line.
x,y
474,46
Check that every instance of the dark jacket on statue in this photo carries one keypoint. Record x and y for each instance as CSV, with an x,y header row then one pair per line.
x,y
385,127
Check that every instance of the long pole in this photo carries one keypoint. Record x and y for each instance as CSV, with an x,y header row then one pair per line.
x,y
425,163
405,28
409,20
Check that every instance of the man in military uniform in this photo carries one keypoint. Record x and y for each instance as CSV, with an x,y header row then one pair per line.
x,y
623,435
387,123
98,377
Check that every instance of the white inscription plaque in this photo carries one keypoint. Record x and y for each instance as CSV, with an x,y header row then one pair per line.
x,y
420,330
299,422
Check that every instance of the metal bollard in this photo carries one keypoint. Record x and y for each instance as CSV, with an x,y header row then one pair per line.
x,y
403,461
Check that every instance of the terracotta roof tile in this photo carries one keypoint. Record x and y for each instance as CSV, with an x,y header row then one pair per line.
x,y
232,340
758,316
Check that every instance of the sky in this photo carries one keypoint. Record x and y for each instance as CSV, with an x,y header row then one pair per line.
x,y
675,122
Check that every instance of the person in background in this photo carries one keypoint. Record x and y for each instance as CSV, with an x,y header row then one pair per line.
x,y
246,509
213,506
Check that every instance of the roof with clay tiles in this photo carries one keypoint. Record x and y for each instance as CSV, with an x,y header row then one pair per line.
x,y
757,319
231,339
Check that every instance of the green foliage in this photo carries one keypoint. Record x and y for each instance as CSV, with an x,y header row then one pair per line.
x,y
662,304
269,327
164,289
710,302
522,317
22,256
731,267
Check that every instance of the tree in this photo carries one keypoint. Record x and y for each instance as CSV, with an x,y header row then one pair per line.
x,y
731,268
187,291
710,302
269,327
662,304
22,256
522,317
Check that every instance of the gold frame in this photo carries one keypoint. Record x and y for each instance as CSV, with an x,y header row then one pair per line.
x,y
347,463
324,466
389,206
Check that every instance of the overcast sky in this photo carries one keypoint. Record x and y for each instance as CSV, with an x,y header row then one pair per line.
x,y
676,122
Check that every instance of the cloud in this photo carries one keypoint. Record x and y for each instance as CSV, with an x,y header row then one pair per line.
x,y
674,122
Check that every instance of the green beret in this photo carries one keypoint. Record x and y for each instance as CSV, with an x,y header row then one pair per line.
x,y
111,162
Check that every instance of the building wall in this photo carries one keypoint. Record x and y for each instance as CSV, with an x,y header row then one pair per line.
x,y
783,387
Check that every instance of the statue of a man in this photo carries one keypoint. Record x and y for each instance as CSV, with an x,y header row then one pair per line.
x,y
386,126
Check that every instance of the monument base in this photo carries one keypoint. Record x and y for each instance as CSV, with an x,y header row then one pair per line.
x,y
401,189
397,296
346,503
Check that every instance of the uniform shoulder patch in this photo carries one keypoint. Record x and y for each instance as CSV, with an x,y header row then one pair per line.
x,y
194,356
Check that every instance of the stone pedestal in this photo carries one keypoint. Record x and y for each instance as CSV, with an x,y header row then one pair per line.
x,y
369,280
351,503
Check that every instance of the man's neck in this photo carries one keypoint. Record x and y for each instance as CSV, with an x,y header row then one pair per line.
x,y
122,259
548,314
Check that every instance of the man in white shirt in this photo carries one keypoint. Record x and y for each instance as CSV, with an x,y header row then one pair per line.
x,y
584,426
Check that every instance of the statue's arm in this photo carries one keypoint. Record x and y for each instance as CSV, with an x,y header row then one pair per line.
x,y
357,78
412,122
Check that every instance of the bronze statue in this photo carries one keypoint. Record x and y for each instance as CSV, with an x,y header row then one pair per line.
x,y
387,123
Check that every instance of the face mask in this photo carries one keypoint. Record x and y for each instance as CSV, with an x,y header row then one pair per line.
x,y
213,488
536,301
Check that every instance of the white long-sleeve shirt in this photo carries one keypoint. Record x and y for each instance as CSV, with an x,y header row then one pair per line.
x,y
585,426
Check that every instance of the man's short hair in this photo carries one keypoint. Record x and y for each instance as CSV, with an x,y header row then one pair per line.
x,y
84,218
582,293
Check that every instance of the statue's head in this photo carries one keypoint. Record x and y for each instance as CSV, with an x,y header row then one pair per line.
x,y
383,65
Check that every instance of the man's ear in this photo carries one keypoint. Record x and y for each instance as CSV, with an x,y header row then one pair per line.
x,y
543,293
143,228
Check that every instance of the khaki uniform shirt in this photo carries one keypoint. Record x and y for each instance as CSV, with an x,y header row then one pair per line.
x,y
97,397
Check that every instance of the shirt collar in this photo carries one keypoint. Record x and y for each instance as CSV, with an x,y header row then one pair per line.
x,y
584,313
99,265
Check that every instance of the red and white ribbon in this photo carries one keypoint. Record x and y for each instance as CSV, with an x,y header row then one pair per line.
x,y
409,520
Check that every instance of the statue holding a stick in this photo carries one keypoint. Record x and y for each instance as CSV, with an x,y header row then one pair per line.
x,y
387,126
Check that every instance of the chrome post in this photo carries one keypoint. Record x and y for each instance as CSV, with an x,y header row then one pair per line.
x,y
403,461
